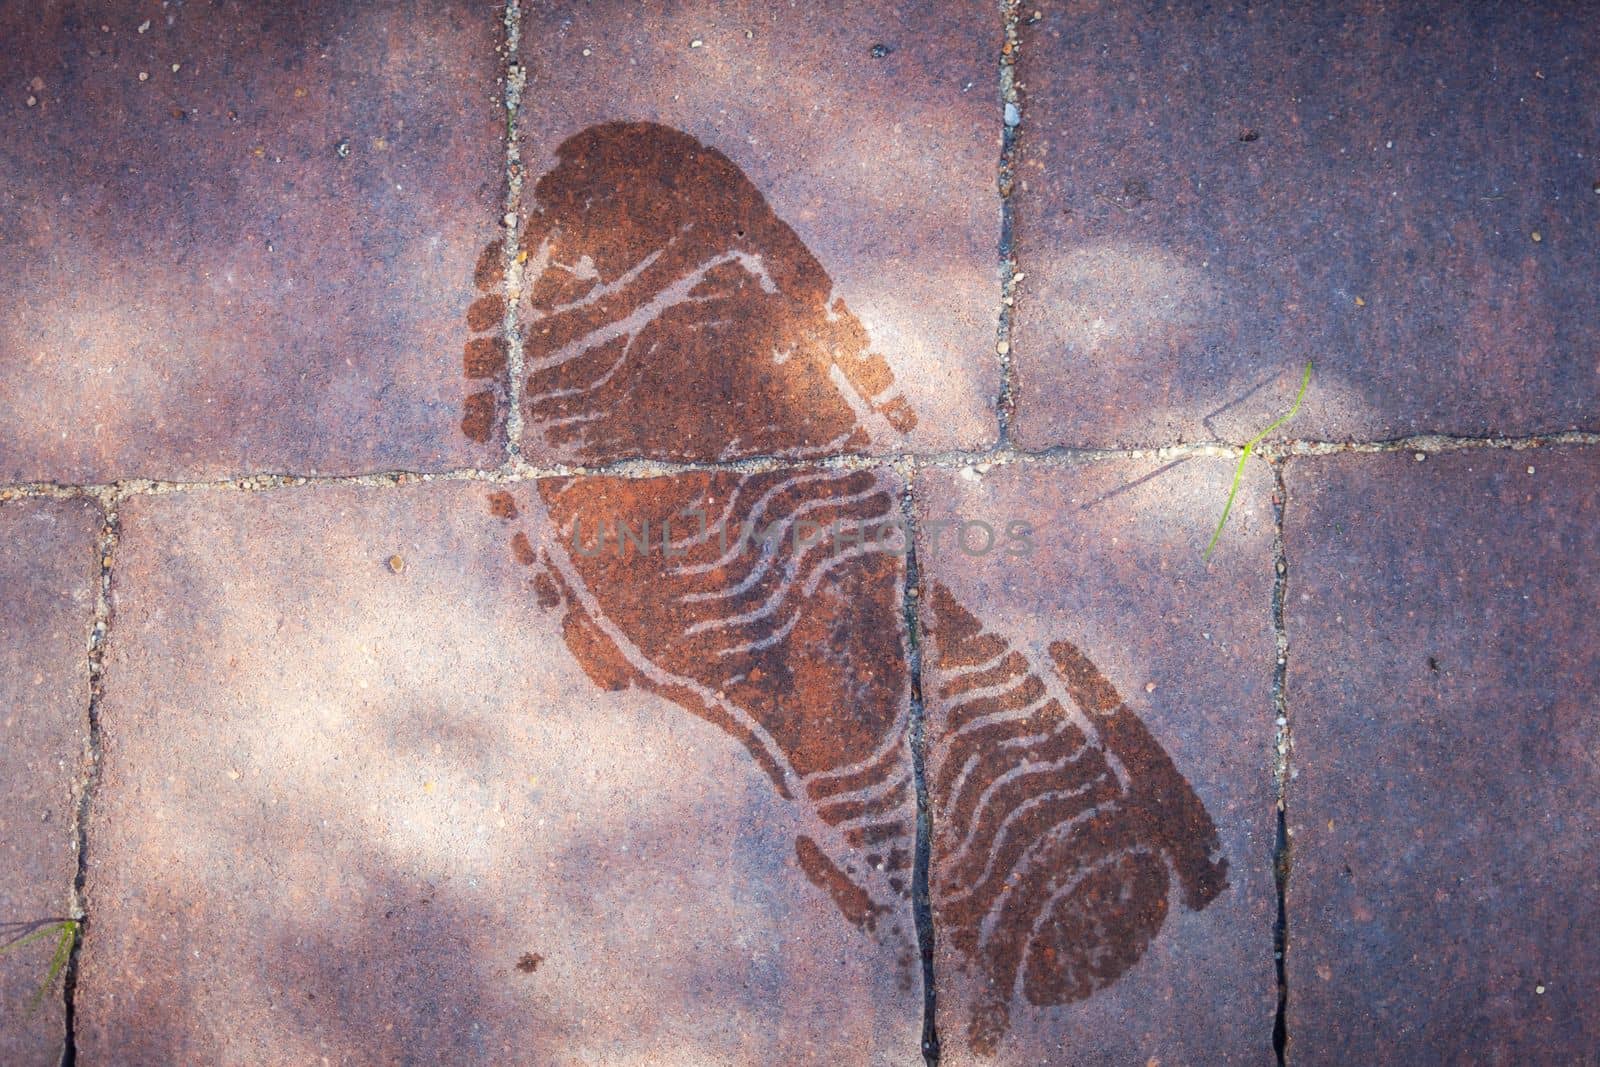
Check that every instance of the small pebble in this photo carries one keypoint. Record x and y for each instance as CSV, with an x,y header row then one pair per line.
x,y
144,75
1003,347
33,101
1149,687
697,43
1013,116
510,218
1360,303
145,25
1530,470
880,50
396,564
1537,236
1421,456
1539,989
176,67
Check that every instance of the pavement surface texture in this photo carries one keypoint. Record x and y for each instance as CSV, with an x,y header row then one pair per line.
x,y
734,533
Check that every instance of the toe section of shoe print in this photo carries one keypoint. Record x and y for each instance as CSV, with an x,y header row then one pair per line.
x,y
671,314
864,128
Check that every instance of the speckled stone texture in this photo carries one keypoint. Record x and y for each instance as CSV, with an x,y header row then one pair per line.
x,y
48,573
1209,197
1444,905
800,197
240,237
1100,764
370,793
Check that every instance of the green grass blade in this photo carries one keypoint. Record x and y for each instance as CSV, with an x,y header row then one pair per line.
x,y
58,963
34,931
1244,457
65,932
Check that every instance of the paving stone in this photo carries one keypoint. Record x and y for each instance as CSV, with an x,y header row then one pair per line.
x,y
399,773
48,571
1100,764
1206,199
242,237
1443,901
755,229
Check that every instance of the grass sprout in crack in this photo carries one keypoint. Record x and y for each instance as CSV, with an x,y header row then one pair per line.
x,y
16,934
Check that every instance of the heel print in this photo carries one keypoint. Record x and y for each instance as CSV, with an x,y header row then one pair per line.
x,y
1060,822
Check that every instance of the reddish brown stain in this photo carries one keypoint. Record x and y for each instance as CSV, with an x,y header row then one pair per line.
x,y
490,270
1090,689
484,358
854,902
794,651
672,314
1054,833
503,506
522,550
486,312
478,421
529,962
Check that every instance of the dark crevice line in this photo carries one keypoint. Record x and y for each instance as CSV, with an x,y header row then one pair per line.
x,y
921,903
511,286
1282,743
1005,400
1280,941
105,555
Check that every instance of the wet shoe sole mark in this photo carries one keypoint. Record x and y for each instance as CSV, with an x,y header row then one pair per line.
x,y
670,314
1060,822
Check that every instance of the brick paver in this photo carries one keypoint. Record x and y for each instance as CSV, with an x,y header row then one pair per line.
x,y
1442,906
388,773
48,573
735,210
241,238
1206,199
1100,765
